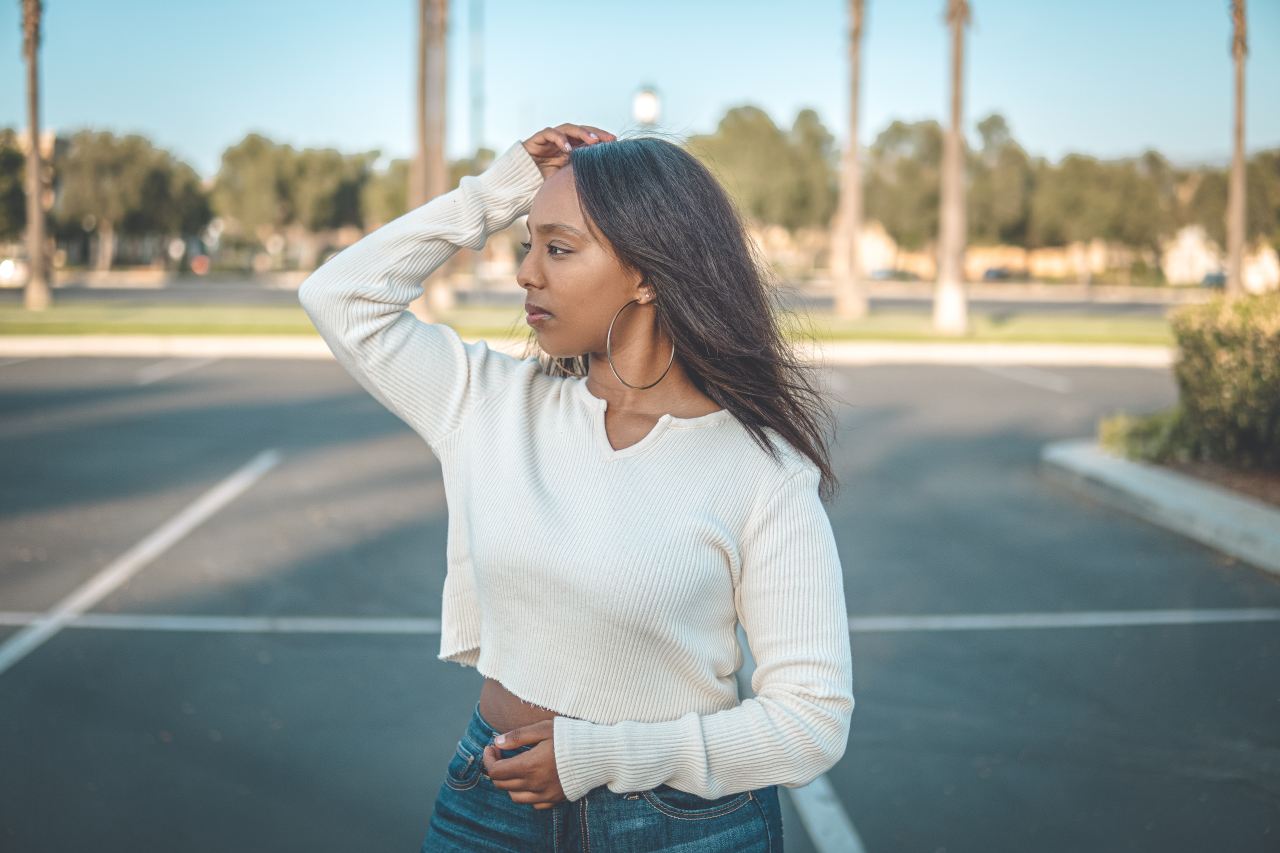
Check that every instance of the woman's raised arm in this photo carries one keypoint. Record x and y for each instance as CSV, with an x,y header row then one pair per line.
x,y
422,372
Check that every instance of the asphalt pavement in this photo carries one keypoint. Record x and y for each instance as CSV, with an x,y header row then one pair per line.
x,y
257,671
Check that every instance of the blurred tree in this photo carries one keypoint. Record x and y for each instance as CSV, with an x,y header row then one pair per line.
x,y
252,188
999,199
123,184
749,154
903,181
814,188
1208,205
171,202
324,186
385,195
13,198
1268,190
775,178
1070,201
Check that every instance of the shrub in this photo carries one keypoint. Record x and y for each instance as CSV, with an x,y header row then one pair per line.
x,y
1228,376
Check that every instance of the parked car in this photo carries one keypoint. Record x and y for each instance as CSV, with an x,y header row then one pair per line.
x,y
1214,279
1004,274
887,274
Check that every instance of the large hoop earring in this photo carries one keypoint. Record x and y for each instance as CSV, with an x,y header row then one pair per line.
x,y
608,348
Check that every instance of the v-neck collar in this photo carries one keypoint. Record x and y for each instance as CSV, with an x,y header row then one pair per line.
x,y
600,435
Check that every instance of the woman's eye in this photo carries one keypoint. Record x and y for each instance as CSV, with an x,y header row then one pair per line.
x,y
529,247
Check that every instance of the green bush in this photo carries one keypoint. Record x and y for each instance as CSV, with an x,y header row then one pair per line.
x,y
1228,375
1159,437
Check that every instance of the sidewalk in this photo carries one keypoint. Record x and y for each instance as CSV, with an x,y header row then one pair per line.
x,y
1225,520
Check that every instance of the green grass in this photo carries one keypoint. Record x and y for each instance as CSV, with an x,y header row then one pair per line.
x,y
84,318
115,319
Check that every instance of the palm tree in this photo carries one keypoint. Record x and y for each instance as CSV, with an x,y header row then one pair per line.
x,y
427,172
851,293
1236,188
950,308
36,294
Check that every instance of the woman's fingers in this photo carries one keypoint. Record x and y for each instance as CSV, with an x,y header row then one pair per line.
x,y
599,134
585,133
551,146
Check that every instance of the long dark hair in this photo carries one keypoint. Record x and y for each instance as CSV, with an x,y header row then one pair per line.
x,y
668,217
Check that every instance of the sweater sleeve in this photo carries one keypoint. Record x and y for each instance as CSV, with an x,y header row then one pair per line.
x,y
358,300
791,604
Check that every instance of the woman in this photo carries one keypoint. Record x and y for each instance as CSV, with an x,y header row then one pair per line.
x,y
618,504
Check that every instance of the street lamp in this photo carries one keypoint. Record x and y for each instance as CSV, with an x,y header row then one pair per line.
x,y
645,106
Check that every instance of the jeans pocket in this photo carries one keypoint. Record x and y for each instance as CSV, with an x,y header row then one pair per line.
x,y
681,804
464,767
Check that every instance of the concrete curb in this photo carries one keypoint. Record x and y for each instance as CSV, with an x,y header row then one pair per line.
x,y
1234,524
832,352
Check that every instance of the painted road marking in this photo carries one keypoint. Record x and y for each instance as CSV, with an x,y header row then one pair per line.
x,y
1077,619
825,820
1029,376
125,566
169,367
857,624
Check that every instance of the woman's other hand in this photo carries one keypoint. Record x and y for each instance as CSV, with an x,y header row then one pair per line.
x,y
531,776
550,146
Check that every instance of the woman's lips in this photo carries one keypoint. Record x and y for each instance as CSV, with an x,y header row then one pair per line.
x,y
536,317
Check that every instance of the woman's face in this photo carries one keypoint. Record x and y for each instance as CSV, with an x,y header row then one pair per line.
x,y
571,271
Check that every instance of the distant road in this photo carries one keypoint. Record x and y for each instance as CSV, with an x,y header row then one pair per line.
x,y
984,298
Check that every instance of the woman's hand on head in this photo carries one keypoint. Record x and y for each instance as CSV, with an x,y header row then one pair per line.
x,y
550,146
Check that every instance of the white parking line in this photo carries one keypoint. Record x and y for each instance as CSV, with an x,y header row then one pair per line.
x,y
857,624
823,815
1029,376
1077,619
238,624
170,367
156,543
825,821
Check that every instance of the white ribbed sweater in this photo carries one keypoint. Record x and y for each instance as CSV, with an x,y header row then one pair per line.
x,y
603,584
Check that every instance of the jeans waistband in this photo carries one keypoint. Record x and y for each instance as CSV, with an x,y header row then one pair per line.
x,y
481,734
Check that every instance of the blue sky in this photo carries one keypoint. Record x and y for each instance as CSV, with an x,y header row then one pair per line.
x,y
1103,78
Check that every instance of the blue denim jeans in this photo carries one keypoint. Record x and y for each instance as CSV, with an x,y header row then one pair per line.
x,y
472,814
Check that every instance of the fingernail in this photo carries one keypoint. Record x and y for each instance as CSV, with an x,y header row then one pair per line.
x,y
593,136
568,147
500,739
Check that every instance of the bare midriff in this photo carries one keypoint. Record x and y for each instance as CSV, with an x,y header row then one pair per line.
x,y
505,711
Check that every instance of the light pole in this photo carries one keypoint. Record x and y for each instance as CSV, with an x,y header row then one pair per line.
x,y
646,106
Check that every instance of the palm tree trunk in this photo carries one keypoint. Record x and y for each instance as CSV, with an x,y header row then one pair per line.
x,y
950,307
36,295
429,172
851,293
1236,188
106,245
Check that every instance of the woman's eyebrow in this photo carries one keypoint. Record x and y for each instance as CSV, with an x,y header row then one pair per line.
x,y
548,227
